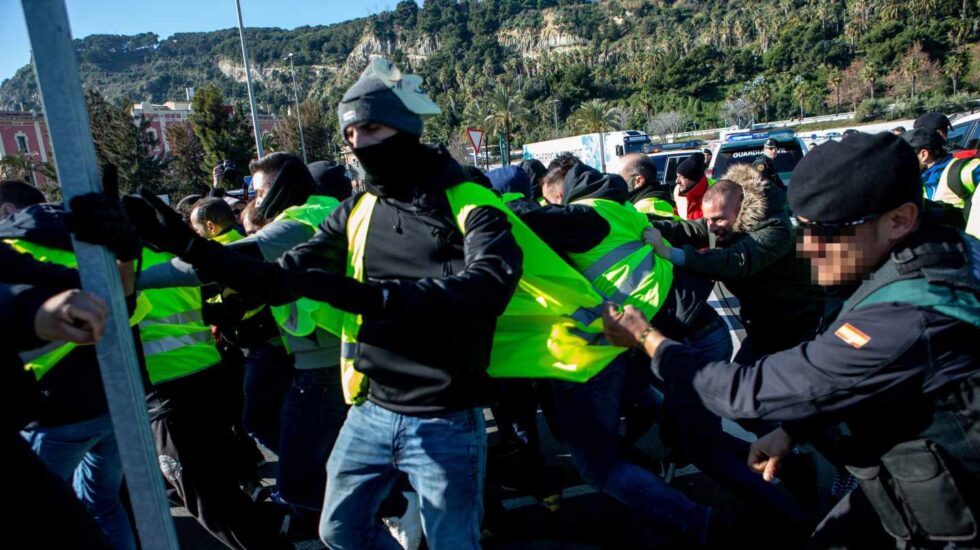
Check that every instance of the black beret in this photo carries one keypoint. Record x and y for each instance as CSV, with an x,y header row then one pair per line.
x,y
864,175
771,142
932,121
922,138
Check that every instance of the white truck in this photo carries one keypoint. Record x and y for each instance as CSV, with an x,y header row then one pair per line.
x,y
596,150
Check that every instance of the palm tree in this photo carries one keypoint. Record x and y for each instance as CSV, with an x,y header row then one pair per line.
x,y
834,79
871,72
954,68
801,93
596,116
505,109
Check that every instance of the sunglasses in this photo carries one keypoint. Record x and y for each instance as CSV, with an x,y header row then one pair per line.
x,y
832,229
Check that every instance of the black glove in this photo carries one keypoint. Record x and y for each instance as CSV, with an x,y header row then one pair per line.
x,y
159,224
98,218
340,291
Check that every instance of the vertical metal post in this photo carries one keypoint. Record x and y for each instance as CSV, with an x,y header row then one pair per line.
x,y
299,117
554,106
78,172
248,83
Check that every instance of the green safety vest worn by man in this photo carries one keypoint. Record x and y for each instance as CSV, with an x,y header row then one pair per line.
x,y
657,207
622,267
957,186
303,316
176,341
541,334
42,360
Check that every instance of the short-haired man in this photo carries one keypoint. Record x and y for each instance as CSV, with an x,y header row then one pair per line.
x,y
212,217
746,241
646,192
898,370
16,195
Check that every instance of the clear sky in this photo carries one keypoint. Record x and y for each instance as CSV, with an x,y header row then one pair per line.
x,y
171,16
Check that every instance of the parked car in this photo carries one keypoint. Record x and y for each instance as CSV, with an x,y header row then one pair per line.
x,y
744,147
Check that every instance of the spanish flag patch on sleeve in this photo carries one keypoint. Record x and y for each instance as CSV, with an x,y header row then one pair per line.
x,y
852,336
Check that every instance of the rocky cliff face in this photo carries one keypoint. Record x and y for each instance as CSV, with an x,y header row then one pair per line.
x,y
550,38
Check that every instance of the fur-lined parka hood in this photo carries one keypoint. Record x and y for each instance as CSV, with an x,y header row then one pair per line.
x,y
755,197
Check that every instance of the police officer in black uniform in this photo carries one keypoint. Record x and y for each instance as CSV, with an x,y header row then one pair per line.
x,y
765,163
891,390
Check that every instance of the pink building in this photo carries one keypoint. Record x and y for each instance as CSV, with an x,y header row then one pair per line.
x,y
26,133
171,112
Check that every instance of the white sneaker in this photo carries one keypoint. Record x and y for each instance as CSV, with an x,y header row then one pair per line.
x,y
407,529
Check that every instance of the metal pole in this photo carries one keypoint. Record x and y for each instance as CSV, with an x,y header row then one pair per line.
x,y
248,82
78,171
299,118
554,105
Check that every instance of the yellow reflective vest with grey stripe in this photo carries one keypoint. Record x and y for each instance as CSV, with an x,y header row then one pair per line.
x,y
656,206
552,327
302,317
42,360
176,342
957,182
623,268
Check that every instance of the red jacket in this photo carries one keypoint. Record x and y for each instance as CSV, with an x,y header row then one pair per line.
x,y
694,197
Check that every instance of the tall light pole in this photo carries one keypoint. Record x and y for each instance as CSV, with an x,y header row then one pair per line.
x,y
299,118
554,105
248,82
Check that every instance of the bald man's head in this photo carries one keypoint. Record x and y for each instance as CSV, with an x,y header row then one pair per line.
x,y
639,171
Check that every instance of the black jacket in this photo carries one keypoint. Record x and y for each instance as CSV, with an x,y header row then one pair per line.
x,y
757,261
18,305
71,391
577,228
430,351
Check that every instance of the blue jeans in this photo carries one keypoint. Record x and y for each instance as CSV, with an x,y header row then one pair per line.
x,y
444,457
268,372
86,455
312,414
588,414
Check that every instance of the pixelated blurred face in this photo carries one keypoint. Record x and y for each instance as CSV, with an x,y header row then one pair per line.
x,y
842,255
720,214
769,152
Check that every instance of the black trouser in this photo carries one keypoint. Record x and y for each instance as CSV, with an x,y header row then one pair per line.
x,y
43,508
197,456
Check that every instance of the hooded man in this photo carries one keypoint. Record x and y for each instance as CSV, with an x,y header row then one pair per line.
x,y
420,291
692,184
746,240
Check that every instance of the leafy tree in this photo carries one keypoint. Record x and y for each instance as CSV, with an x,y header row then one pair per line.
x,y
505,109
318,132
127,143
187,159
954,68
596,116
914,73
225,132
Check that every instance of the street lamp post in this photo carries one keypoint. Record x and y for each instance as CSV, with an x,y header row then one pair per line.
x,y
299,118
248,82
554,105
